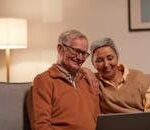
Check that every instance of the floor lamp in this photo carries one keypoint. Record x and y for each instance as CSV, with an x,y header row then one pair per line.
x,y
13,35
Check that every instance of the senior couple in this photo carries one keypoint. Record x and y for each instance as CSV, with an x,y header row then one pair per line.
x,y
69,97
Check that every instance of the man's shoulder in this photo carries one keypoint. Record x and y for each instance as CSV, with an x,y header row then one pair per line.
x,y
47,73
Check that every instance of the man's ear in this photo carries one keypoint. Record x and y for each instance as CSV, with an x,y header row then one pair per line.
x,y
59,48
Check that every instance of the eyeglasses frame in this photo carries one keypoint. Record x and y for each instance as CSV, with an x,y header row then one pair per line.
x,y
77,51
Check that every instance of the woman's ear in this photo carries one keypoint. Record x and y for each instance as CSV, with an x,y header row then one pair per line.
x,y
92,60
118,60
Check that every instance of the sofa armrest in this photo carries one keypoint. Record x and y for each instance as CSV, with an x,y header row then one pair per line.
x,y
12,110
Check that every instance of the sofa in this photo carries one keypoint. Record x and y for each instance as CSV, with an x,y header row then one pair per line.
x,y
13,114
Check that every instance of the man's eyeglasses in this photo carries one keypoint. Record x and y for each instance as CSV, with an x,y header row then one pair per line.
x,y
76,51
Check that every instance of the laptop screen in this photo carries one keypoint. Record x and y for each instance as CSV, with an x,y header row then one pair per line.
x,y
124,121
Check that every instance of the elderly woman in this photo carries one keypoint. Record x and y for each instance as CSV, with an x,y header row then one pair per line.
x,y
121,89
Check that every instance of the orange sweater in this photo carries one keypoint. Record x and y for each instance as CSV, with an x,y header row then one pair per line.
x,y
54,104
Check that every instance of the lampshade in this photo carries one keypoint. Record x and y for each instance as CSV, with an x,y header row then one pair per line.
x,y
13,33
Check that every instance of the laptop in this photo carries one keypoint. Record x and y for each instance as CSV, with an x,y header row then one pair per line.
x,y
124,121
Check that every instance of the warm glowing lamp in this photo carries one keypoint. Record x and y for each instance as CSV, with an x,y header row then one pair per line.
x,y
13,35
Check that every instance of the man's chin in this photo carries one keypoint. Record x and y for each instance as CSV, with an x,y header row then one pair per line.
x,y
75,68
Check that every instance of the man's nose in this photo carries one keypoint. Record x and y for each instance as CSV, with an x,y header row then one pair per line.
x,y
80,56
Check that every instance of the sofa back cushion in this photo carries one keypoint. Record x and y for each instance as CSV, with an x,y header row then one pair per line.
x,y
13,114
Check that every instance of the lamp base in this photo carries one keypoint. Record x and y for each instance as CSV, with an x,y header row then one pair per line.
x,y
7,56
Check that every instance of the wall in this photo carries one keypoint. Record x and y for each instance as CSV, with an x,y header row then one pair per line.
x,y
95,18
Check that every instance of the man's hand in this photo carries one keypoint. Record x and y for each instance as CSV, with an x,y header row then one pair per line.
x,y
92,80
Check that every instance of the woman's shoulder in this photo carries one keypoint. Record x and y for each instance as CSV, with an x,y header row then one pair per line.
x,y
138,74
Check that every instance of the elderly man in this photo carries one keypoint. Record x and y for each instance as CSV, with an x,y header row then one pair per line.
x,y
60,98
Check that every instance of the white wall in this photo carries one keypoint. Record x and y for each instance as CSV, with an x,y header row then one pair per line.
x,y
95,18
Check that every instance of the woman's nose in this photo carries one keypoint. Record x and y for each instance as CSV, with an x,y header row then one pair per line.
x,y
106,63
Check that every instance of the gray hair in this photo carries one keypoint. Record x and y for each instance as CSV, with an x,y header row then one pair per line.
x,y
68,36
102,43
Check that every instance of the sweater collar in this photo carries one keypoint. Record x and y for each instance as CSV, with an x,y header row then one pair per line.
x,y
56,71
123,69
